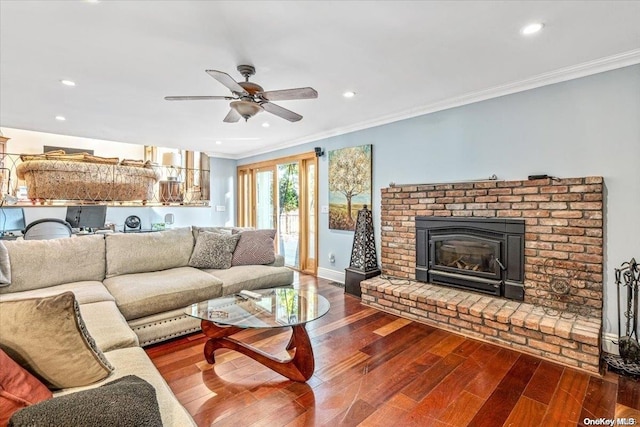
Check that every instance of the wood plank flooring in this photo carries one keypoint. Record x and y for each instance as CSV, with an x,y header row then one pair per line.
x,y
375,369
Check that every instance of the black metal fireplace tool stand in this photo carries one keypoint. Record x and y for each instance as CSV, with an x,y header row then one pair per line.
x,y
627,279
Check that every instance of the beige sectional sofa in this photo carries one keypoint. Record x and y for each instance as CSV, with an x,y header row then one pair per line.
x,y
132,289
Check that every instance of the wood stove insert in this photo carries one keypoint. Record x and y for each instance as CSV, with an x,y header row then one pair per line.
x,y
480,254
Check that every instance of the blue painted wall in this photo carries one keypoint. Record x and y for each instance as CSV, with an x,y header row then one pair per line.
x,y
583,127
223,177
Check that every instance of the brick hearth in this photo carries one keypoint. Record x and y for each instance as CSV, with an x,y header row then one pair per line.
x,y
563,264
525,327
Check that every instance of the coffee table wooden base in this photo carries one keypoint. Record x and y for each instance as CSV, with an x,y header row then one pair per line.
x,y
299,367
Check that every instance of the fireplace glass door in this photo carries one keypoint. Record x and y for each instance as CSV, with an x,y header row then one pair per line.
x,y
468,255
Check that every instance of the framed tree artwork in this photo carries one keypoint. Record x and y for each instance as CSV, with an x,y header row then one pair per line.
x,y
349,185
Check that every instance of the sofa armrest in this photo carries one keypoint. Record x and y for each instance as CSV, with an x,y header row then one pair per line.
x,y
279,262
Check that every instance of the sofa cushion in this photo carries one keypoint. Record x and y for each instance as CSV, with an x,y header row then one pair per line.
x,y
18,388
222,230
134,361
48,337
279,262
143,294
129,253
251,277
41,263
213,250
127,402
254,247
85,292
107,326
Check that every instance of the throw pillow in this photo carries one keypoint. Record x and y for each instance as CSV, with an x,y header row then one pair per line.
x,y
126,402
5,266
255,247
196,230
48,337
213,250
18,388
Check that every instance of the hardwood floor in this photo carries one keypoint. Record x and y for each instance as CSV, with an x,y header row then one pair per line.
x,y
375,369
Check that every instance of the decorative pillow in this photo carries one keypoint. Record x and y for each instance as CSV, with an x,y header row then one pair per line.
x,y
48,337
196,230
126,402
213,250
18,388
255,247
5,266
136,163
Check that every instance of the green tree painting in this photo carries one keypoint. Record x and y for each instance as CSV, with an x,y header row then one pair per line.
x,y
349,185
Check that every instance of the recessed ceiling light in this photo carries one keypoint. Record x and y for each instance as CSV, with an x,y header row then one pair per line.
x,y
349,94
218,142
61,118
531,28
68,82
266,125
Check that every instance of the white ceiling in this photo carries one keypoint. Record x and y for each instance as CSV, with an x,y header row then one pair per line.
x,y
402,59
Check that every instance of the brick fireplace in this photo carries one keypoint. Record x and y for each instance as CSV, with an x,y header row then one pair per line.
x,y
561,315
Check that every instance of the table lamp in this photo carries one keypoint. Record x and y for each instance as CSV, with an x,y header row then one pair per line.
x,y
172,161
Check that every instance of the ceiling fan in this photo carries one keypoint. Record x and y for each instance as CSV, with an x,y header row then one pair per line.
x,y
249,98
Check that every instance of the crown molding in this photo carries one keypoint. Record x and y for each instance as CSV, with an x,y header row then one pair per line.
x,y
584,69
221,155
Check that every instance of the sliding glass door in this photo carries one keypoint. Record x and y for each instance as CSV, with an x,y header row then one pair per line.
x,y
281,194
310,216
289,213
265,200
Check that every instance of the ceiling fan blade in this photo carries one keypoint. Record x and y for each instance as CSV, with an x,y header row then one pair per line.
x,y
228,81
232,116
281,112
286,94
196,98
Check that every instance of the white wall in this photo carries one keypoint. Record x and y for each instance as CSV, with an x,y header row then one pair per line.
x,y
26,141
184,215
223,176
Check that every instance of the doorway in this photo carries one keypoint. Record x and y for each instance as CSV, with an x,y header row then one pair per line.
x,y
281,194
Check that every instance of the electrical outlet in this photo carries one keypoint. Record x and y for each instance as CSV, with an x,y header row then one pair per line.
x,y
324,209
332,257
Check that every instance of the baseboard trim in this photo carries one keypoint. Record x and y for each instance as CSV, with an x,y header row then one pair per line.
x,y
333,275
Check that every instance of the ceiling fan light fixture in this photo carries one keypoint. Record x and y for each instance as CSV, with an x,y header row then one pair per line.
x,y
250,98
531,28
246,109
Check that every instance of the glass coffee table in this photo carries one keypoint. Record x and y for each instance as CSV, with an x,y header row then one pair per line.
x,y
275,308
